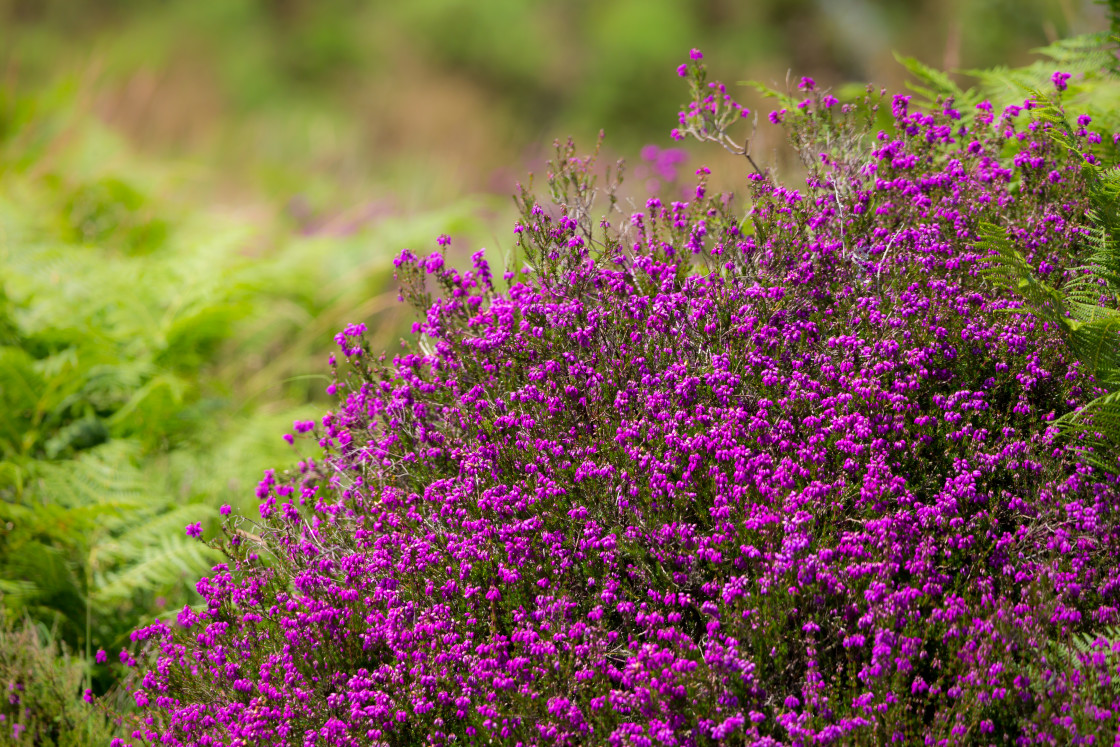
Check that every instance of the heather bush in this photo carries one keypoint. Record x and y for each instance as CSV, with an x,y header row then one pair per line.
x,y
701,473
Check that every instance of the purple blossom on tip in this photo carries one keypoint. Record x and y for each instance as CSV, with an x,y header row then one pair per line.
x,y
1059,79
194,530
405,257
806,84
695,54
186,617
434,262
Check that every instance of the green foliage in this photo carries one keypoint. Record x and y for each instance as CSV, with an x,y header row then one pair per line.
x,y
1086,55
935,84
150,360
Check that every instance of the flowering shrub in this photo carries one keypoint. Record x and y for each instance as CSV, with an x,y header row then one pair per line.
x,y
696,475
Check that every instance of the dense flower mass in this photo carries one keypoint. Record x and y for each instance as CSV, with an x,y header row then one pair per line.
x,y
788,476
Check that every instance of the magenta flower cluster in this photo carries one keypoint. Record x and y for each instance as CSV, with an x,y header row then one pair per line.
x,y
696,476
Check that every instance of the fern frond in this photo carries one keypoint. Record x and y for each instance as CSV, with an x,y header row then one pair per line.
x,y
132,540
1096,415
1097,344
1094,431
163,566
936,83
105,475
1097,646
1083,53
1006,267
16,593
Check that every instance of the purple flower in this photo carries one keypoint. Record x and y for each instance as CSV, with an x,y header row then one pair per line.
x,y
1059,79
186,617
434,262
194,530
100,657
729,726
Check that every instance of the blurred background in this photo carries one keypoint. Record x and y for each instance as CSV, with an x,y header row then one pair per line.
x,y
196,195
317,104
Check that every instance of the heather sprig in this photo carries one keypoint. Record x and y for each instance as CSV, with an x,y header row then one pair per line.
x,y
711,111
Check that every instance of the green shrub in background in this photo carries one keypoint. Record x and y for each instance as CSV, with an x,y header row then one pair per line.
x,y
42,686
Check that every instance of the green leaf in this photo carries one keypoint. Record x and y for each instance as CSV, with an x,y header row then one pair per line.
x,y
940,85
162,566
